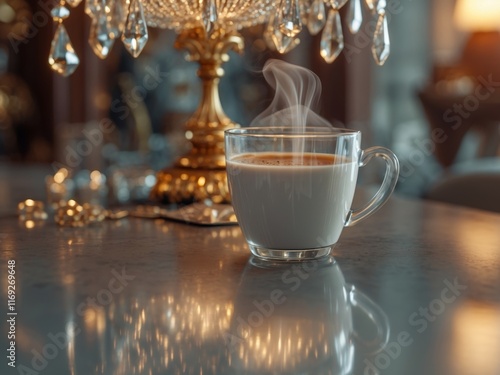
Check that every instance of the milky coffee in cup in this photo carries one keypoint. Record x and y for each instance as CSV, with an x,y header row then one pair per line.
x,y
292,189
292,201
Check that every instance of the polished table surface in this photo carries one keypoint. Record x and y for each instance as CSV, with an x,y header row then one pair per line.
x,y
140,296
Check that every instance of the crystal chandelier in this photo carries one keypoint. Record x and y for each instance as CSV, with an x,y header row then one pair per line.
x,y
208,30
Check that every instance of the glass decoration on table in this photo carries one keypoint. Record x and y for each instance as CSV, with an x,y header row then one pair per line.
x,y
208,30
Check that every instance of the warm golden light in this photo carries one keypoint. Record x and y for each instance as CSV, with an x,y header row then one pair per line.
x,y
477,240
476,339
171,328
283,344
478,15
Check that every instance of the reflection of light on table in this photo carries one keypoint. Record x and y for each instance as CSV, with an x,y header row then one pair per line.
x,y
7,245
476,339
174,332
228,238
477,244
95,320
283,344
71,347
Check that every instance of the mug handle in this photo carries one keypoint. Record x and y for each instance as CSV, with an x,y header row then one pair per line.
x,y
376,316
385,190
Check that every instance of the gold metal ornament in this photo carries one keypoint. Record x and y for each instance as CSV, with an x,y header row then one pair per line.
x,y
73,214
30,209
201,173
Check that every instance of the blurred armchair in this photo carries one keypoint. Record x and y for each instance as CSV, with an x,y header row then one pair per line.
x,y
473,184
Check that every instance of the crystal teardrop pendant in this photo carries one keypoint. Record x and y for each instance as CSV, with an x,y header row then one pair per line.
x,y
62,57
276,40
354,16
371,4
101,38
381,5
135,33
317,17
376,5
91,8
59,13
209,15
283,43
289,18
332,38
381,47
116,16
337,4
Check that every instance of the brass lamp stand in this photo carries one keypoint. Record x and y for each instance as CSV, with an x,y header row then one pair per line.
x,y
201,173
208,30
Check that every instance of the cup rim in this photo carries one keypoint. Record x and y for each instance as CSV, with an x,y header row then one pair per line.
x,y
290,132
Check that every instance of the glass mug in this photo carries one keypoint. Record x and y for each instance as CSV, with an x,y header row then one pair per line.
x,y
292,189
302,319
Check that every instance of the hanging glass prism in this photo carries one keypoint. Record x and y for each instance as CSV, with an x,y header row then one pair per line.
x,y
337,4
104,29
283,43
115,17
135,33
276,40
376,5
371,4
91,7
317,17
381,47
332,38
381,5
101,38
59,13
62,57
289,18
354,16
209,15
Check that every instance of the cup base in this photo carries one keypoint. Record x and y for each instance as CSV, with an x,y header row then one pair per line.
x,y
289,255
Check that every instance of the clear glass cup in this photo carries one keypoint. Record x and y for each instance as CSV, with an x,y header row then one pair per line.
x,y
292,190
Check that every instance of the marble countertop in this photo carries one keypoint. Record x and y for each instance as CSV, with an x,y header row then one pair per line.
x,y
139,296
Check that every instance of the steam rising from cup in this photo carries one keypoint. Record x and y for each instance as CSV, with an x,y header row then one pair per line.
x,y
296,98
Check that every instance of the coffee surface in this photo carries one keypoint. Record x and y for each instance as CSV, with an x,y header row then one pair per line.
x,y
289,159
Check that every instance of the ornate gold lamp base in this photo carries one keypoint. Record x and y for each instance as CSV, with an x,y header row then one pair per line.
x,y
183,185
201,173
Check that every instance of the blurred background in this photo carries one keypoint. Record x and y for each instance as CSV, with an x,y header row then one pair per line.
x,y
434,102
